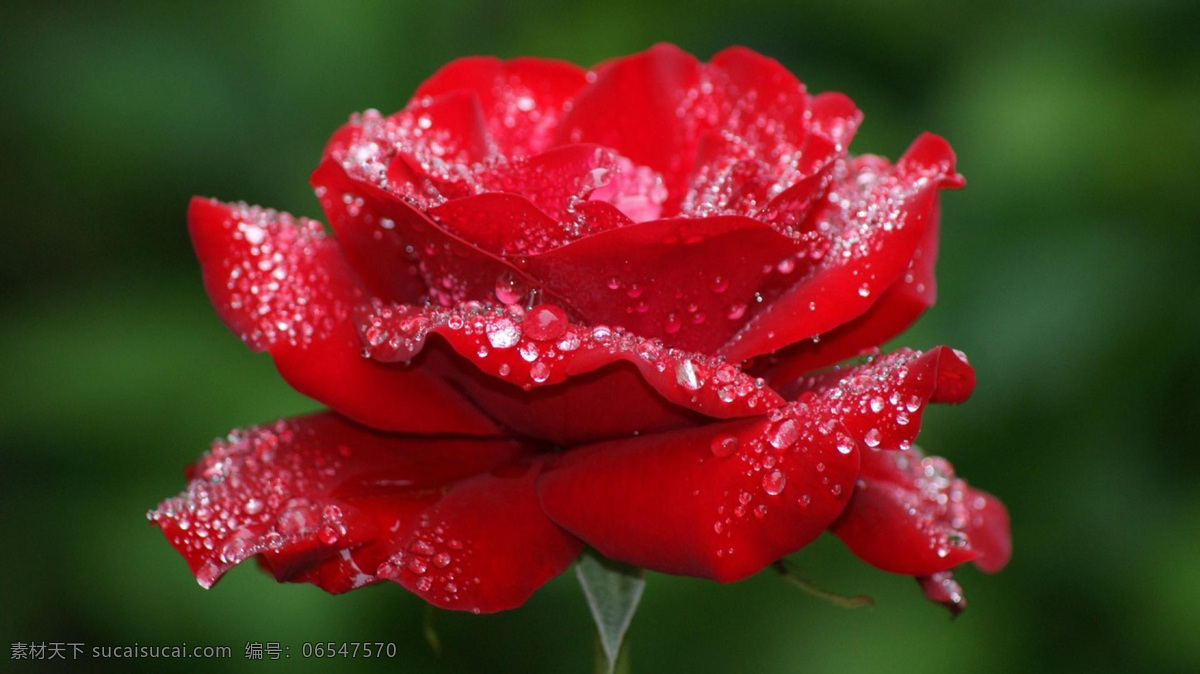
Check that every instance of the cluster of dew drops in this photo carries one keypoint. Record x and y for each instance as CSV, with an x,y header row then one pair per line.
x,y
539,344
248,497
937,501
274,279
940,504
437,560
791,446
448,172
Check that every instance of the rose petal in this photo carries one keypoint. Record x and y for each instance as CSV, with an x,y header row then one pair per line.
x,y
494,341
798,187
522,99
382,256
690,282
881,402
720,501
769,101
911,515
554,180
899,306
834,116
325,501
745,107
759,145
532,205
613,401
450,128
870,226
650,107
453,269
265,490
282,286
485,546
941,588
991,533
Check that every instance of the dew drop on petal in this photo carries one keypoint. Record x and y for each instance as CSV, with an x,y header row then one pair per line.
x,y
785,434
502,333
507,290
774,482
845,444
724,445
685,375
545,322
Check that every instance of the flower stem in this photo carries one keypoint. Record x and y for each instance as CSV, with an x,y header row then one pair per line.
x,y
845,601
600,660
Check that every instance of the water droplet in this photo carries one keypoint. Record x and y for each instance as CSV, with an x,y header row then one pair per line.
x,y
724,445
545,322
872,438
423,548
328,534
774,482
913,403
502,333
685,375
845,444
528,351
785,434
672,325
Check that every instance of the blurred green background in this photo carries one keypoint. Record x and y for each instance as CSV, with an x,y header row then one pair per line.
x,y
1068,273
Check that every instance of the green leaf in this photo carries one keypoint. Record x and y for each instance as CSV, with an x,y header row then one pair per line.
x,y
613,591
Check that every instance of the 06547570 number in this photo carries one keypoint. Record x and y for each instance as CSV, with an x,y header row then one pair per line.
x,y
348,649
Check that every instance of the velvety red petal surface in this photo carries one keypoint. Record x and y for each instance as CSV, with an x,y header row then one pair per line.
x,y
567,414
541,349
648,107
522,98
325,501
882,401
942,588
453,269
899,306
720,501
864,237
284,287
530,206
692,283
724,500
911,515
485,546
719,133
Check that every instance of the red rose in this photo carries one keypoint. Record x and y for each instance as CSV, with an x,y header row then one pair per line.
x,y
569,307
